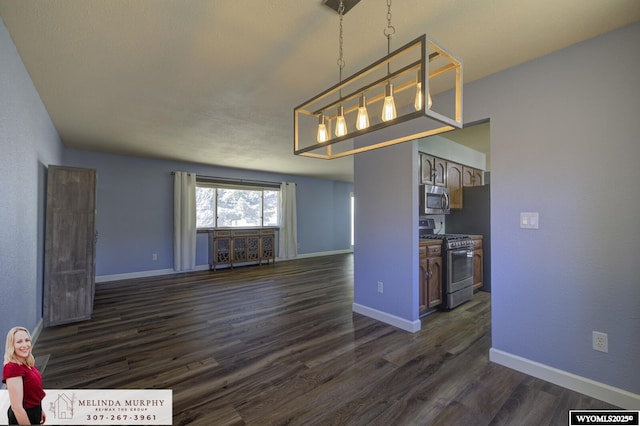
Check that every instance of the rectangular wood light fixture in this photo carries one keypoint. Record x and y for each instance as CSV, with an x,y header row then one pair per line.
x,y
408,78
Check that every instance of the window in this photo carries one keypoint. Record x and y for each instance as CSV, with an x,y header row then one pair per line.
x,y
353,213
220,205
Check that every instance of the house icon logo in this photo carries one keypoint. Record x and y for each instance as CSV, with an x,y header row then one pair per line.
x,y
62,406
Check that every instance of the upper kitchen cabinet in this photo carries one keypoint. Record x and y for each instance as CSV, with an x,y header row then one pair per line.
x,y
454,183
448,157
433,170
427,171
471,176
441,178
450,174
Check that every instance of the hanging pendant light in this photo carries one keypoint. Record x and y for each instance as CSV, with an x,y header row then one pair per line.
x,y
389,84
323,134
419,100
389,107
341,124
417,104
362,121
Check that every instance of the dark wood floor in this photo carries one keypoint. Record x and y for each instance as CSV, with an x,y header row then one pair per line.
x,y
280,345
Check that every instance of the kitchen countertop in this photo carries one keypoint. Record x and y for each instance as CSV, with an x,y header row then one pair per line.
x,y
429,242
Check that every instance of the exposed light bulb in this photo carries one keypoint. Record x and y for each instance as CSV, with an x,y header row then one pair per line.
x,y
419,99
362,122
419,102
389,107
323,134
341,124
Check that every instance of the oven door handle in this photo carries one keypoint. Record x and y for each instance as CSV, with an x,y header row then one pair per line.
x,y
467,251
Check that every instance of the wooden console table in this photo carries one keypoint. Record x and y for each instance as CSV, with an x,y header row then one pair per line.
x,y
241,246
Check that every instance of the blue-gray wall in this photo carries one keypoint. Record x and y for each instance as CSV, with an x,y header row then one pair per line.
x,y
135,211
28,143
135,207
386,240
565,143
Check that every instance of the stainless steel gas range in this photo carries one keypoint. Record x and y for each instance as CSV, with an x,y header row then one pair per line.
x,y
457,286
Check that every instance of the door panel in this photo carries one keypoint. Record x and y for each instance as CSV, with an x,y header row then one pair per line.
x,y
69,272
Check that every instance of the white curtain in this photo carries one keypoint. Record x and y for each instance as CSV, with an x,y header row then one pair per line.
x,y
184,221
288,239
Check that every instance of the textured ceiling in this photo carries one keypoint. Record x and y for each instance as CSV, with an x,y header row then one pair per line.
x,y
216,81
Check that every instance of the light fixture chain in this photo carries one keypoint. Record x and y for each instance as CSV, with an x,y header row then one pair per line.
x,y
390,29
341,62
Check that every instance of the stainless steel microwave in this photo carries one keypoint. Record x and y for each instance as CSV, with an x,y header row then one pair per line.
x,y
434,199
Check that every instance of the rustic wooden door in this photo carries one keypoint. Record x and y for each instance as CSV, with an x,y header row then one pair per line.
x,y
70,245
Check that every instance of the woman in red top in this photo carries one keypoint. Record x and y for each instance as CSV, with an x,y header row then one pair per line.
x,y
23,380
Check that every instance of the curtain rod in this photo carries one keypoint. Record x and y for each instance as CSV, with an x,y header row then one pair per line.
x,y
233,180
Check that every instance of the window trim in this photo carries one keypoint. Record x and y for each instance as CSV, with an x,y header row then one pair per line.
x,y
220,183
236,182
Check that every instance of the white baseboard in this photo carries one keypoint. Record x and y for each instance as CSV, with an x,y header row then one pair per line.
x,y
158,272
401,323
316,254
145,274
618,397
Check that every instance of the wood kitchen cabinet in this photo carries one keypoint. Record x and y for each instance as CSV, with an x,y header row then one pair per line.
x,y
478,273
427,170
471,176
433,170
440,172
430,261
454,183
228,247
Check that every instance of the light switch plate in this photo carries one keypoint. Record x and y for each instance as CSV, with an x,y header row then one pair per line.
x,y
529,220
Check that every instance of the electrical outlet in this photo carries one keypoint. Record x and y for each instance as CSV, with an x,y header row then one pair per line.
x,y
380,287
600,341
154,256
